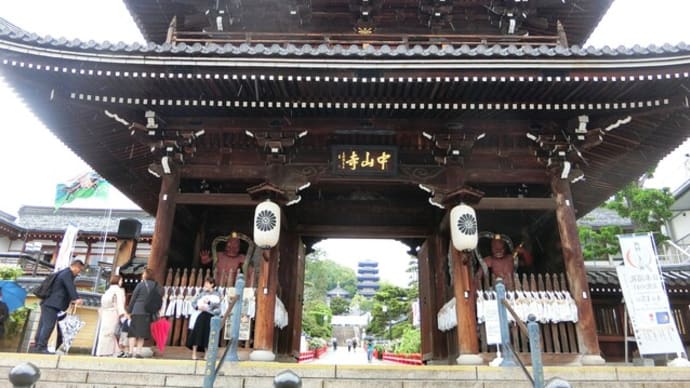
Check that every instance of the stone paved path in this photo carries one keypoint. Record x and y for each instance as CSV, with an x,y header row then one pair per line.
x,y
343,357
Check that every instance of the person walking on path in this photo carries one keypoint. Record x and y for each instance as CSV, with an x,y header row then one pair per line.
x,y
62,293
349,344
370,350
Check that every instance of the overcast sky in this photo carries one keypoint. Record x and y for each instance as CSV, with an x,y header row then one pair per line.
x,y
33,161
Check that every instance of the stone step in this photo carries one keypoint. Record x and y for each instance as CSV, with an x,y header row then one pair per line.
x,y
76,371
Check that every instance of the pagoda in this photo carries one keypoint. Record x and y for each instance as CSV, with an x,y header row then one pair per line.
x,y
367,278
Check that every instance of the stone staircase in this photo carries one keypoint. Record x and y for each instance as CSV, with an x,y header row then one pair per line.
x,y
75,371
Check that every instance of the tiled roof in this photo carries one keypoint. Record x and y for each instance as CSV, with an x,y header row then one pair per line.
x,y
605,279
88,220
7,217
338,292
604,217
327,50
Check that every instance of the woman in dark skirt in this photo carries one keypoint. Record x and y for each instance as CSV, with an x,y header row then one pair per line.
x,y
140,324
207,302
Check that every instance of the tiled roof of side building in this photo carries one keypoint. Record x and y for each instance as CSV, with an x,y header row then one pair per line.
x,y
604,217
90,220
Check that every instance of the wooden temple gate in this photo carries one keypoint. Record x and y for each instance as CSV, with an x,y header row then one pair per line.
x,y
378,135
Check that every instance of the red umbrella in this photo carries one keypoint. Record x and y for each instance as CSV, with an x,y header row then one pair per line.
x,y
160,329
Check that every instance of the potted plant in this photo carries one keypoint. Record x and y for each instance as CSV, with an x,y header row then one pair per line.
x,y
15,323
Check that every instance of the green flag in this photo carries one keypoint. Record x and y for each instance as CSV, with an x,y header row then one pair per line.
x,y
85,186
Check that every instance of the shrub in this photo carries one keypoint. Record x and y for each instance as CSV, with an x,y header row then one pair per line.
x,y
10,271
411,341
15,322
317,343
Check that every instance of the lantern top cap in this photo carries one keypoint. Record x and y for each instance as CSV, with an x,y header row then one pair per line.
x,y
465,194
266,190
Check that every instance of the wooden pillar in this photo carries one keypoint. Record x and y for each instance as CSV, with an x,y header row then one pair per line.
x,y
575,271
165,216
438,257
291,280
465,308
265,306
427,322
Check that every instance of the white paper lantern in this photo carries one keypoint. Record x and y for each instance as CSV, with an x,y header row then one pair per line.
x,y
463,227
266,224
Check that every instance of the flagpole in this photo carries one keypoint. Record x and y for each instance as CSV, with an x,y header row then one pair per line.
x,y
109,213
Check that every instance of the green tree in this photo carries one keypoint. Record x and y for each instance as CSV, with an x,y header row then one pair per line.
x,y
395,301
361,304
648,209
339,306
598,244
316,318
321,275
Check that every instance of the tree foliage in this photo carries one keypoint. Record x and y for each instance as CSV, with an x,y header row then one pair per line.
x,y
410,341
598,244
397,305
316,319
339,306
321,275
648,209
361,304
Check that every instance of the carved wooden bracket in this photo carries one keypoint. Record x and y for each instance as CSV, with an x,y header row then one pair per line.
x,y
452,147
278,146
562,154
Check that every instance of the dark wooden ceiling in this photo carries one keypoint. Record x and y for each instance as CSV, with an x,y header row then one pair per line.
x,y
413,17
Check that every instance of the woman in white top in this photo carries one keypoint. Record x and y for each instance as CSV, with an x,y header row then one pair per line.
x,y
111,311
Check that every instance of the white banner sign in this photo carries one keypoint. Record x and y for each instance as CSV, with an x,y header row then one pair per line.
x,y
64,258
645,297
638,252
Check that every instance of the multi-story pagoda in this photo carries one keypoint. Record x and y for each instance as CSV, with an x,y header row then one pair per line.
x,y
367,278
363,118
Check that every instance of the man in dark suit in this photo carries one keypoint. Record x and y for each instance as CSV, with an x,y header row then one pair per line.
x,y
62,293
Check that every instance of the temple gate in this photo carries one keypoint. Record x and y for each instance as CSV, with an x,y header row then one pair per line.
x,y
365,119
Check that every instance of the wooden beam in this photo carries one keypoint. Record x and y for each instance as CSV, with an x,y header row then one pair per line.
x,y
516,204
259,172
359,231
215,199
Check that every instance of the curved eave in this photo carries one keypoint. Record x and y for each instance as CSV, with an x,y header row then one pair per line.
x,y
323,57
651,78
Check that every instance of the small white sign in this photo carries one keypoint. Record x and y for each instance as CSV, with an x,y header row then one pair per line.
x,y
491,322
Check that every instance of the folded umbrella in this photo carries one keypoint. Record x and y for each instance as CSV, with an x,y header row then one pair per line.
x,y
69,326
12,294
160,328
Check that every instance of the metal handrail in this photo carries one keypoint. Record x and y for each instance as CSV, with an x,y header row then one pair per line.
x,y
532,332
